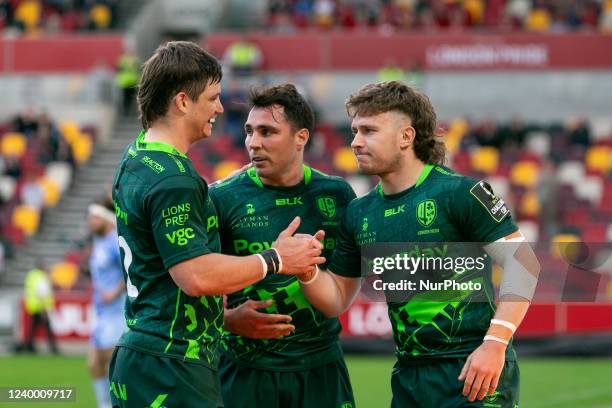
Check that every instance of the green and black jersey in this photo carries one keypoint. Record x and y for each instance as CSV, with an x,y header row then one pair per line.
x,y
441,207
164,217
251,216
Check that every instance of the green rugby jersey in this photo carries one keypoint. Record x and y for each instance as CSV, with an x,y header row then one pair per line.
x,y
251,216
442,206
164,217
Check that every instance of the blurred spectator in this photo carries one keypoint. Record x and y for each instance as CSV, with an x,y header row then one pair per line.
x,y
243,57
26,123
539,20
605,21
108,295
414,76
6,13
580,133
391,71
30,16
1,255
127,77
235,101
47,140
302,12
324,11
433,15
12,167
38,299
32,193
100,80
100,17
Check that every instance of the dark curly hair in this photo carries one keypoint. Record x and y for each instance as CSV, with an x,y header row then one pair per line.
x,y
373,99
297,110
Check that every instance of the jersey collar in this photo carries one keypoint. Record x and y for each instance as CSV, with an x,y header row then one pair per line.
x,y
424,173
252,173
142,144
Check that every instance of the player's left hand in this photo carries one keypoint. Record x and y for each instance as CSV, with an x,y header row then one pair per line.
x,y
482,370
315,239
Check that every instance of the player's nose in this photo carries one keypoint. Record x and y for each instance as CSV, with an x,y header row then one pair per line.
x,y
253,141
357,141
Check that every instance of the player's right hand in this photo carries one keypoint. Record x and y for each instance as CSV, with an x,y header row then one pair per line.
x,y
301,253
246,321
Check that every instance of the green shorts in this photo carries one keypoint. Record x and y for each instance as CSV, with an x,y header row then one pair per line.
x,y
146,380
326,386
435,385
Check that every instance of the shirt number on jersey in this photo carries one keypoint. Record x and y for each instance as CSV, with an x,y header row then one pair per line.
x,y
127,261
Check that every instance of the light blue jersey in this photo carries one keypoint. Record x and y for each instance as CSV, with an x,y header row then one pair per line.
x,y
106,274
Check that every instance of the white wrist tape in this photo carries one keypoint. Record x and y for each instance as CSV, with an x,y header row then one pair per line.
x,y
280,260
495,338
264,266
504,323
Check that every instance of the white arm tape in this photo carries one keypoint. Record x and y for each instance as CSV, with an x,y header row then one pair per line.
x,y
263,263
495,338
280,260
504,323
516,280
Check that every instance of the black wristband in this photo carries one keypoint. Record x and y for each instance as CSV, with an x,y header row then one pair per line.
x,y
269,259
276,260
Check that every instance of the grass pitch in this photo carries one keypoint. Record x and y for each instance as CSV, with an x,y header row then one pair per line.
x,y
545,383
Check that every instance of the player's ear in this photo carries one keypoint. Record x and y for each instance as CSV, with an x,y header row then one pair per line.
x,y
181,101
301,138
407,137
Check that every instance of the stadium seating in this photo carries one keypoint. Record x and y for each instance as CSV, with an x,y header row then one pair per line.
x,y
34,16
528,15
36,169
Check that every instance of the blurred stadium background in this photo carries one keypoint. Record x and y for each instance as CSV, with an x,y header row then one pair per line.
x,y
523,90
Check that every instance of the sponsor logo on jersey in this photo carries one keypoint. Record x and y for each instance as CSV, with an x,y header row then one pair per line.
x,y
152,164
289,201
496,207
242,245
120,214
364,224
176,214
120,390
426,212
327,206
212,222
389,212
490,399
181,236
493,397
250,209
252,221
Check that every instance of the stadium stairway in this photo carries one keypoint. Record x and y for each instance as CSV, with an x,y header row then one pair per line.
x,y
127,12
63,227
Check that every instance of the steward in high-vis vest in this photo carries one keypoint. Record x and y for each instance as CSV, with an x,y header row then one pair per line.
x,y
127,78
38,301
